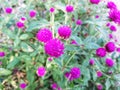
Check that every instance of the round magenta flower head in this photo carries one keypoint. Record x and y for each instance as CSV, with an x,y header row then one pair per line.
x,y
75,73
64,32
54,86
69,8
94,1
54,48
109,62
99,87
2,54
20,24
8,10
108,24
91,62
44,35
113,28
99,74
110,36
32,13
23,18
114,15
41,71
101,52
78,22
52,9
110,47
111,5
97,16
73,42
23,85
118,49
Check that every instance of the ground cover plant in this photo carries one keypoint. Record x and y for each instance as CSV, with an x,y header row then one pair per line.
x,y
59,45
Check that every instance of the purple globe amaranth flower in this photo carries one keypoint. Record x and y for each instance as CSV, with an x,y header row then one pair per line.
x,y
8,10
2,54
101,52
114,15
113,28
73,42
91,62
78,22
41,71
110,47
95,1
109,62
44,35
110,36
32,13
99,87
52,9
54,48
64,32
99,74
20,24
118,49
54,86
97,16
74,73
23,85
108,24
23,18
111,5
69,8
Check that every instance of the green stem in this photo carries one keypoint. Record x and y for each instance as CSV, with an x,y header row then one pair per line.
x,y
52,22
66,18
70,59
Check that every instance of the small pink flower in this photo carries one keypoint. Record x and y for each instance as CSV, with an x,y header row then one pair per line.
x,y
20,24
95,1
108,24
78,22
52,9
110,47
99,73
101,52
97,16
2,54
8,10
91,62
23,18
109,62
54,48
50,59
99,87
113,28
23,85
41,71
44,35
69,8
32,13
73,42
64,32
54,86
110,36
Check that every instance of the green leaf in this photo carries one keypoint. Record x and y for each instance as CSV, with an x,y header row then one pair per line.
x,y
4,72
26,36
92,46
16,42
14,62
107,84
37,25
30,76
26,48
